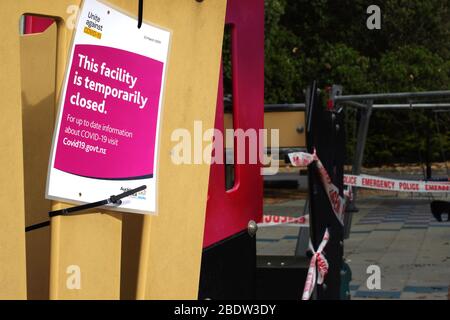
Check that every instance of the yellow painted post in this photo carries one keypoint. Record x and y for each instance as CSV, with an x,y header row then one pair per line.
x,y
12,228
38,56
172,241
88,246
132,225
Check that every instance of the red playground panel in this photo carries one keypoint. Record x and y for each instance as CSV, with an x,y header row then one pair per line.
x,y
229,212
35,24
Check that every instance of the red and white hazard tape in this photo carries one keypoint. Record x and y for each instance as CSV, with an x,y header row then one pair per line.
x,y
373,182
271,221
301,159
318,265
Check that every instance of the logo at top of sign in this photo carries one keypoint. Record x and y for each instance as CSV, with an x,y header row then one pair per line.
x,y
93,26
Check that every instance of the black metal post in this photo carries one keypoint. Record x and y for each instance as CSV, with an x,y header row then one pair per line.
x,y
325,133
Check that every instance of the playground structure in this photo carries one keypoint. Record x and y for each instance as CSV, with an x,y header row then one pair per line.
x,y
365,102
202,243
169,249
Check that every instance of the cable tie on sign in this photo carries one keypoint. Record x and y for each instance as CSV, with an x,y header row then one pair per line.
x,y
140,13
37,226
117,200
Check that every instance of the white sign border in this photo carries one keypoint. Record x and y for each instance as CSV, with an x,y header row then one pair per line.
x,y
60,104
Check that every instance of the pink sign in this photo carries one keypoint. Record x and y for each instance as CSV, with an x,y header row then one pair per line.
x,y
106,140
109,121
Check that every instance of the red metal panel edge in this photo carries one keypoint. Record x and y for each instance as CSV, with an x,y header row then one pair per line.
x,y
36,24
229,212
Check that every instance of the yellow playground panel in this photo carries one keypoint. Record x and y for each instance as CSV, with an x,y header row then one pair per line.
x,y
291,126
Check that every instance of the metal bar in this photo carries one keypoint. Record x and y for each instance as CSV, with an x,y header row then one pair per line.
x,y
301,106
284,107
362,138
303,236
412,106
363,130
353,104
399,95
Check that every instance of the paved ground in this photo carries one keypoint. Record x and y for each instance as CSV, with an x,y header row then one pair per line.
x,y
395,232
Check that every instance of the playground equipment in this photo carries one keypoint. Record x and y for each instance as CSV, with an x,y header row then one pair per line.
x,y
283,277
365,102
170,248
326,136
92,244
336,103
235,202
181,253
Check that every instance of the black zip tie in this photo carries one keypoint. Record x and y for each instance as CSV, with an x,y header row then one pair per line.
x,y
37,226
111,200
140,13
